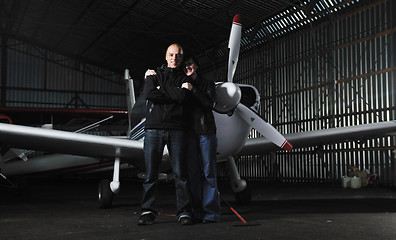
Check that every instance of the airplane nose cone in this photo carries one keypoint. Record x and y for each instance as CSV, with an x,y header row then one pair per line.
x,y
228,96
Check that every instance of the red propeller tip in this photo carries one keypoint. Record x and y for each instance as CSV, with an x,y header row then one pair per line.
x,y
237,19
287,146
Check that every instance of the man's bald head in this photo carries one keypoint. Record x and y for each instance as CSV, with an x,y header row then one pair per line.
x,y
174,55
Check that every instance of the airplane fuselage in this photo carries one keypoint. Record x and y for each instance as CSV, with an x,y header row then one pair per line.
x,y
232,133
232,129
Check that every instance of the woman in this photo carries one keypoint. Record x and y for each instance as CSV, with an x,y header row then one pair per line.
x,y
202,145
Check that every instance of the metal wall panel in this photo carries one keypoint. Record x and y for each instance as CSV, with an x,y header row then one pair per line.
x,y
39,78
334,73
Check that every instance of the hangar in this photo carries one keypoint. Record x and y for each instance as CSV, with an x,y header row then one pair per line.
x,y
317,65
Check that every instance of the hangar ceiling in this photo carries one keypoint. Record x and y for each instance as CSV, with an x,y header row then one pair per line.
x,y
134,34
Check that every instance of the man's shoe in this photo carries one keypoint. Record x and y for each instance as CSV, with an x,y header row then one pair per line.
x,y
185,221
146,219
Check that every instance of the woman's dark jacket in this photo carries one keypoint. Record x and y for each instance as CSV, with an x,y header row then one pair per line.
x,y
199,105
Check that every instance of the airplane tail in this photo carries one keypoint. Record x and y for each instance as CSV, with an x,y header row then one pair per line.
x,y
131,100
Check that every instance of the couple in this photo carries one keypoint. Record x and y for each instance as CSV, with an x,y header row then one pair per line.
x,y
179,115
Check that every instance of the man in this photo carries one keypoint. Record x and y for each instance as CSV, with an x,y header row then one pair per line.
x,y
165,125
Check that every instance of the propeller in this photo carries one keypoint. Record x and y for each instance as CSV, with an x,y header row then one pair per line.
x,y
266,129
247,114
234,45
228,93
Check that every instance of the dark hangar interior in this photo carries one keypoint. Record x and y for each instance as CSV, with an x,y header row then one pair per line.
x,y
317,65
325,73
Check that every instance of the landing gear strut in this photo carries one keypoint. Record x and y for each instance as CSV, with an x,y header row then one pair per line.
x,y
241,189
107,189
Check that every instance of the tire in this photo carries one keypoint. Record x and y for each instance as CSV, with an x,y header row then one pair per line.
x,y
105,195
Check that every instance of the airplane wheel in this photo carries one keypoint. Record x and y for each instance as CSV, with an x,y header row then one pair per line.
x,y
105,196
244,197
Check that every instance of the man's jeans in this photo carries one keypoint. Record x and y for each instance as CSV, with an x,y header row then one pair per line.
x,y
201,155
154,143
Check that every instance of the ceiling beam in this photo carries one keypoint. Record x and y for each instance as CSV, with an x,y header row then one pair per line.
x,y
75,22
109,27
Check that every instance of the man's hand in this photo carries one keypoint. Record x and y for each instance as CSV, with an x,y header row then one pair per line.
x,y
187,85
149,72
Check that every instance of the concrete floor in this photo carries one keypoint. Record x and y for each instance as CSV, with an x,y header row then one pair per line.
x,y
67,209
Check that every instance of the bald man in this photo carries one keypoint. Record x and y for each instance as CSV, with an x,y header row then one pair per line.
x,y
165,125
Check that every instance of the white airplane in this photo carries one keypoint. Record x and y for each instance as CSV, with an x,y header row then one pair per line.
x,y
234,119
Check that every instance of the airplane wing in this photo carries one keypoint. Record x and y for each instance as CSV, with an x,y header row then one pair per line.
x,y
55,141
320,137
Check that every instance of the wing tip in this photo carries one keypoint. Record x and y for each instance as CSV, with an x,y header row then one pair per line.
x,y
287,146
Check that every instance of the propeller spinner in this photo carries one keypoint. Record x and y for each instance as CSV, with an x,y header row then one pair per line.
x,y
228,97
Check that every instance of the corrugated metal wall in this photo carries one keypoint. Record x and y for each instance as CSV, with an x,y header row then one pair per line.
x,y
39,78
335,73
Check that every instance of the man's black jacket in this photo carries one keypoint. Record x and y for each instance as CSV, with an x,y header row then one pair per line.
x,y
164,95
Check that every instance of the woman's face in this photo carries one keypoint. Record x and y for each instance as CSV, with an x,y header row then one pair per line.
x,y
190,68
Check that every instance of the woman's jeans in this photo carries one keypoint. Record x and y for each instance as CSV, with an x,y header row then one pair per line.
x,y
201,155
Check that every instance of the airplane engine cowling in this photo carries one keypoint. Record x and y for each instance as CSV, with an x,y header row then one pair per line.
x,y
228,96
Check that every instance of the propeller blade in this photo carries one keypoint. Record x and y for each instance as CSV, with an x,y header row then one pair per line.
x,y
266,129
234,45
